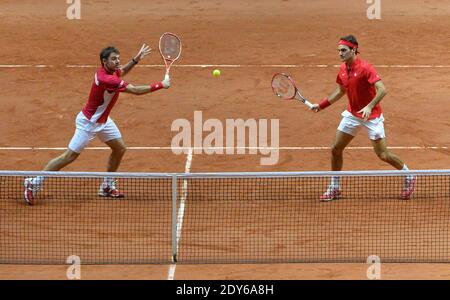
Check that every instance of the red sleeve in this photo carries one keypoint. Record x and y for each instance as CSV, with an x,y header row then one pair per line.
x,y
372,75
338,79
113,83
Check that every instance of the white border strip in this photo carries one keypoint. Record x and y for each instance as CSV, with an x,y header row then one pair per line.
x,y
180,214
315,174
86,174
425,172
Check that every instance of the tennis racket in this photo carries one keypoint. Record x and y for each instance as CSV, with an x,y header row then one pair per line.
x,y
170,49
284,87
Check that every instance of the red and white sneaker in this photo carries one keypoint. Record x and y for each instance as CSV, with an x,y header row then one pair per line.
x,y
110,191
332,193
30,192
410,186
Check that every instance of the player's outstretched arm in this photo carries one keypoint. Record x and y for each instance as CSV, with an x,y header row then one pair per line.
x,y
335,96
145,50
145,89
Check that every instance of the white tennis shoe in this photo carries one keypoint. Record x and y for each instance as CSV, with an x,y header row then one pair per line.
x,y
110,191
31,190
332,193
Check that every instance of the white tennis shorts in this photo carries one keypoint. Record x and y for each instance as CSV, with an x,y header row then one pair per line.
x,y
85,131
351,125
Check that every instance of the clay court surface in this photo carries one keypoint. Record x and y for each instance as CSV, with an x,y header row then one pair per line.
x,y
410,46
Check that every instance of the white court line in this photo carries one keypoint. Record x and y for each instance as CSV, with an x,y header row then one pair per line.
x,y
234,66
180,214
293,148
26,66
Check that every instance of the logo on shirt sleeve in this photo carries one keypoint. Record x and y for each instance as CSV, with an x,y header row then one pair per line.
x,y
97,83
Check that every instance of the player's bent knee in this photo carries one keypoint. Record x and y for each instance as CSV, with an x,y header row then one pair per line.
x,y
69,156
384,156
336,150
120,150
123,148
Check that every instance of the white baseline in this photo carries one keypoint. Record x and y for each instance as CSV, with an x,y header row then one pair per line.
x,y
231,66
288,148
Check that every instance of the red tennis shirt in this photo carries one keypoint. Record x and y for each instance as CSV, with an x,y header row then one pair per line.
x,y
359,83
104,94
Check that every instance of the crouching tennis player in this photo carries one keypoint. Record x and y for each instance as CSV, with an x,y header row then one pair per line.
x,y
94,120
364,90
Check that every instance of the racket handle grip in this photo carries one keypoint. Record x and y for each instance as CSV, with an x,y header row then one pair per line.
x,y
309,104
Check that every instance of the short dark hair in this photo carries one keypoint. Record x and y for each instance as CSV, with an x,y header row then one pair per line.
x,y
105,53
352,39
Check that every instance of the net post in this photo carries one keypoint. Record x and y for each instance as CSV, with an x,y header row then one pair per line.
x,y
174,217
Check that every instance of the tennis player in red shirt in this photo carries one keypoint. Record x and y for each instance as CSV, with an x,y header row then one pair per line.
x,y
94,120
364,89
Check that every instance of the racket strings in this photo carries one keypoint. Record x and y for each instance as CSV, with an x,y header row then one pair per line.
x,y
170,47
283,86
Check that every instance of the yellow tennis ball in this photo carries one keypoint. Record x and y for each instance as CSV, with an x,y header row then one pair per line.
x,y
216,73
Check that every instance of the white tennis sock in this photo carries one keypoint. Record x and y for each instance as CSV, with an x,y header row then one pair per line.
x,y
408,177
335,181
108,181
38,180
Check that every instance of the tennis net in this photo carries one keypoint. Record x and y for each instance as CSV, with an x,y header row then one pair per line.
x,y
227,218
